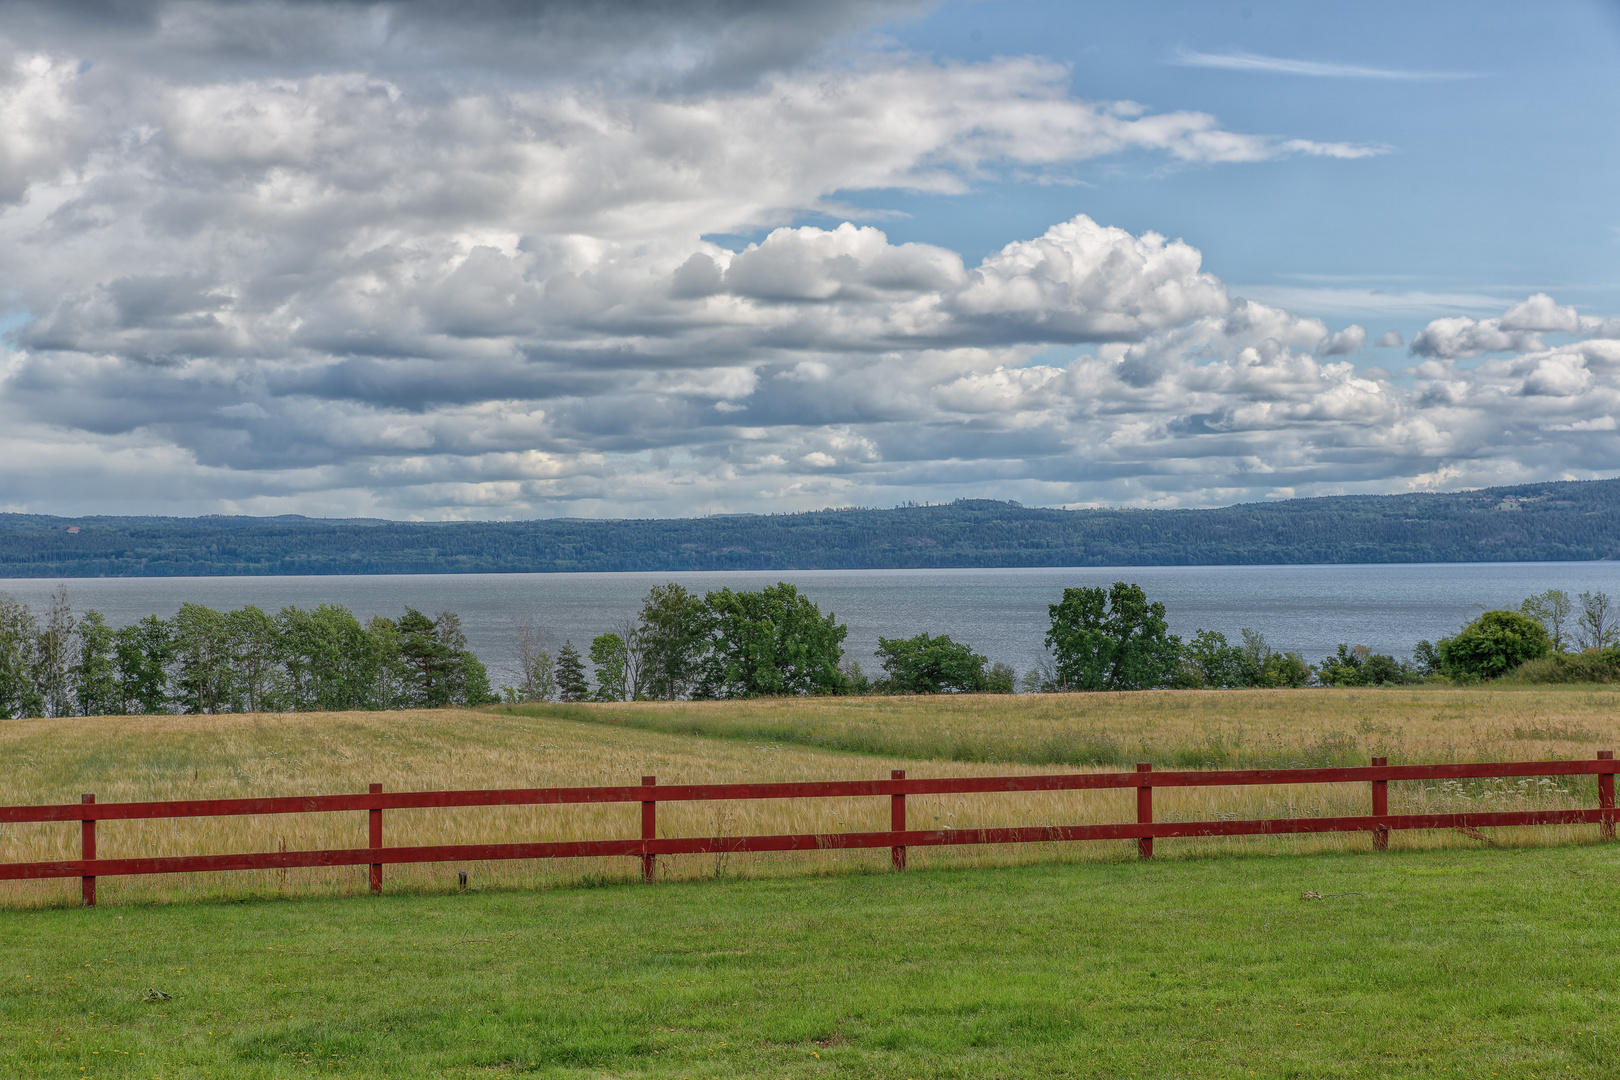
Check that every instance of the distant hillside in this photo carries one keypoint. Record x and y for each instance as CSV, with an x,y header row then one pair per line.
x,y
1552,522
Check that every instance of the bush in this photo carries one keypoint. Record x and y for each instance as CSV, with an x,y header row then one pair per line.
x,y
1492,645
932,665
1597,666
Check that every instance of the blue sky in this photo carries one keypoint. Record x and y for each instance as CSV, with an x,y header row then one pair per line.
x,y
492,260
1504,140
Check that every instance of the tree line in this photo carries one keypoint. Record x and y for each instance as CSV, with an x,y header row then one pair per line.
x,y
773,642
205,661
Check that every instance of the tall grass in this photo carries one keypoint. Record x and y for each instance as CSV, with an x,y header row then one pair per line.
x,y
1181,729
174,757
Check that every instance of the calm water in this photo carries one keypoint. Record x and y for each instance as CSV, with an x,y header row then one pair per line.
x,y
1002,613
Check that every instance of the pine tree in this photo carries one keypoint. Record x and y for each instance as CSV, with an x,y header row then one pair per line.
x,y
571,682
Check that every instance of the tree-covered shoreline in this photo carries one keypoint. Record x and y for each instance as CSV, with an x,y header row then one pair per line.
x,y
726,644
1564,521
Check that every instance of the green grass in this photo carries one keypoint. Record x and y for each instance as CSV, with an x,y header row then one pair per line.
x,y
1439,963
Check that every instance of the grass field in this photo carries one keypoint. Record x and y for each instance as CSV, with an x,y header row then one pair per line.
x,y
122,758
1181,728
1418,963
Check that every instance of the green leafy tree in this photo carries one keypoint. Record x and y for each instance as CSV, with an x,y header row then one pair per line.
x,y
1492,645
572,684
611,660
95,676
1265,668
1111,640
931,665
1000,679
1208,661
472,681
393,688
673,633
1426,658
202,660
1552,610
773,642
253,655
19,634
143,651
329,658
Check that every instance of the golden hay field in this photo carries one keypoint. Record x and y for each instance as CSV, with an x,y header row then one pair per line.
x,y
1177,728
177,757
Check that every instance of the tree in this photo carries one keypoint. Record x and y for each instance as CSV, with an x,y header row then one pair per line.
x,y
1595,625
95,676
143,651
572,685
536,669
1262,667
252,652
1426,658
1360,666
19,634
609,656
54,659
202,660
427,661
394,688
1113,640
771,642
1551,609
466,680
674,637
1000,679
1493,644
1208,661
931,665
331,660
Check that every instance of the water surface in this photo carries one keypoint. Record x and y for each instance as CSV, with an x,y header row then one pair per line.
x,y
1001,613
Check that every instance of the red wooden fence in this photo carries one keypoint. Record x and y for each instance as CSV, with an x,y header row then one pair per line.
x,y
648,847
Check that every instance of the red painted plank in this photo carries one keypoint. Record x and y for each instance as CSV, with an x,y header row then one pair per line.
x,y
817,789
790,842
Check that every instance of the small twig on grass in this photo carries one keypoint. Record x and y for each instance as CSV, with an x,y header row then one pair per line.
x,y
1312,894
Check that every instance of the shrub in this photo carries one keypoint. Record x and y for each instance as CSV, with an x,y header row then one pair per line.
x,y
1597,666
932,665
1493,644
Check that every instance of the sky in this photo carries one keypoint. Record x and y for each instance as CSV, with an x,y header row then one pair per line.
x,y
503,260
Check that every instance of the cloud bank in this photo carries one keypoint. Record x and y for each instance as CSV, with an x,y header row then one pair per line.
x,y
335,259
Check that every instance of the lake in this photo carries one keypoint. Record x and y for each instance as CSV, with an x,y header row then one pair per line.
x,y
1001,613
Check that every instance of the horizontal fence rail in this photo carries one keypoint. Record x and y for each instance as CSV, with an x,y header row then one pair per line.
x,y
648,846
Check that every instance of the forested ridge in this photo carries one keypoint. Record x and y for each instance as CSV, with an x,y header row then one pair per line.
x,y
1572,520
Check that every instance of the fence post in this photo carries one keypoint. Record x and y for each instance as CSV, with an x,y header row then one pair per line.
x,y
1606,795
897,820
649,830
1144,810
1380,793
376,840
87,852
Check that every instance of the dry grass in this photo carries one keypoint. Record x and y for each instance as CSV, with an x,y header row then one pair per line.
x,y
1181,728
129,758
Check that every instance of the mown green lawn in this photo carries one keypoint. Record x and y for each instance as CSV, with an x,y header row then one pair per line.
x,y
1441,963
